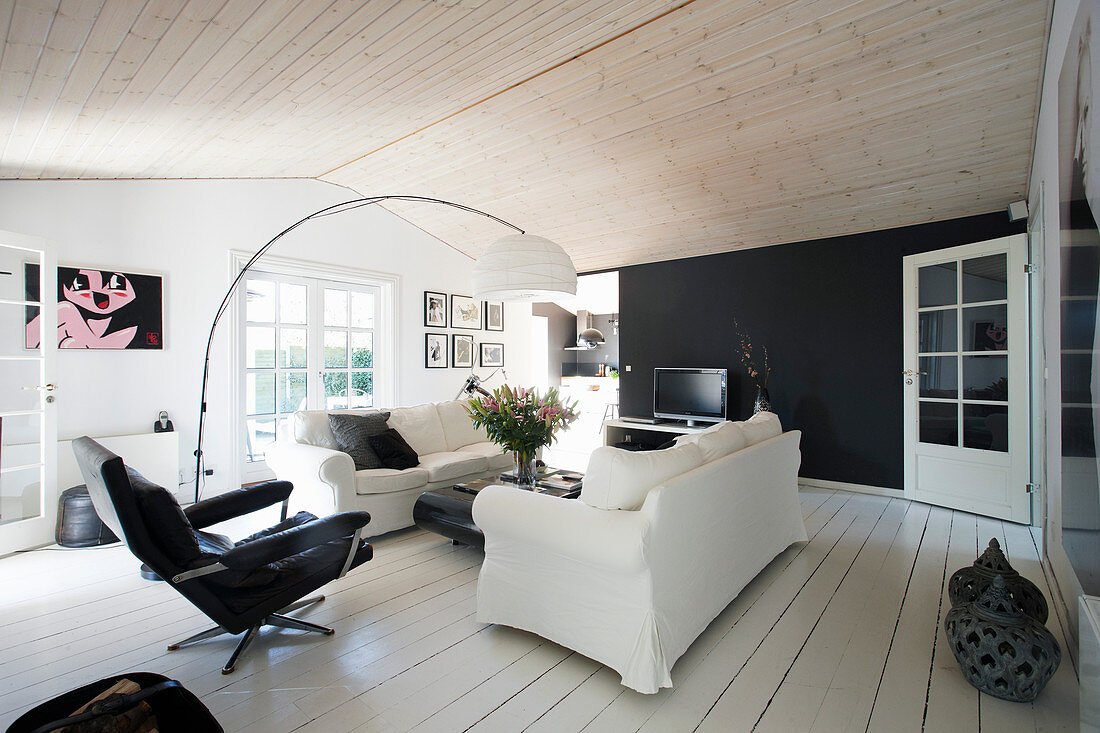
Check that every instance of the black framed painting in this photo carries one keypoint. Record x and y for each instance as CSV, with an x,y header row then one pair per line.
x,y
494,315
435,350
435,309
462,350
492,355
465,313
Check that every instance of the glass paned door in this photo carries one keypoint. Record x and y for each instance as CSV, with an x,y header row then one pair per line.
x,y
966,410
28,442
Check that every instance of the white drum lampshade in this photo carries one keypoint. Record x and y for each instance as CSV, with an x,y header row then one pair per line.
x,y
524,267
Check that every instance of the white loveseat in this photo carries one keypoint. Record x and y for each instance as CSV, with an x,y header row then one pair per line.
x,y
657,545
325,481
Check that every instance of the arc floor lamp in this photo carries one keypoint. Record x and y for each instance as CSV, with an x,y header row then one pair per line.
x,y
519,266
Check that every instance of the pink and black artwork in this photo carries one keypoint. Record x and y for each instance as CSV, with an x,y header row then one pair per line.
x,y
100,309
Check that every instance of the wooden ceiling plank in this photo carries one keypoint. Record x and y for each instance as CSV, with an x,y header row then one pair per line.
x,y
24,44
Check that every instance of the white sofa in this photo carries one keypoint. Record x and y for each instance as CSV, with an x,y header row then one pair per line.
x,y
451,450
655,547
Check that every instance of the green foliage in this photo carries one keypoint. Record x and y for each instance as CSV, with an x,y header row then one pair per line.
x,y
520,419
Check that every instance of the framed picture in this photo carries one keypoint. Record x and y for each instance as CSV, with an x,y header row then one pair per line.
x,y
435,309
492,355
99,309
435,350
462,350
494,315
465,313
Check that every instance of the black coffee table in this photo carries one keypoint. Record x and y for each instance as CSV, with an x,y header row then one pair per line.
x,y
450,512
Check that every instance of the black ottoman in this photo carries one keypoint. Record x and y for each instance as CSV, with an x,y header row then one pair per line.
x,y
77,523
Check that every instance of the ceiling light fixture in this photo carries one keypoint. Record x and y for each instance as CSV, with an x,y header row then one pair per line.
x,y
524,267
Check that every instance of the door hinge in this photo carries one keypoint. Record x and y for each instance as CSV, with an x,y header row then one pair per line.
x,y
1031,488
1030,269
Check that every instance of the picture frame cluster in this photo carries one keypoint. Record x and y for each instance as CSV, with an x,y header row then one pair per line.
x,y
444,310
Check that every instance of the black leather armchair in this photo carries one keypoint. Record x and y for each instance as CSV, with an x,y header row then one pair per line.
x,y
241,586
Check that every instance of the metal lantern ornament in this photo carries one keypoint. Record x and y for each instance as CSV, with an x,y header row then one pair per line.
x,y
969,583
1002,651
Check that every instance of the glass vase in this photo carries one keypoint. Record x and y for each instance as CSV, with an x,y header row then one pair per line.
x,y
524,463
763,401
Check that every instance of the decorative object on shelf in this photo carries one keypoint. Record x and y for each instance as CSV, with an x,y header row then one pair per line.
x,y
465,313
435,309
494,315
1002,651
492,355
462,350
339,208
521,420
970,582
758,369
435,350
524,267
99,309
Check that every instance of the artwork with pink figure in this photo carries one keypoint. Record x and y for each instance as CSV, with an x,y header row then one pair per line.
x,y
99,309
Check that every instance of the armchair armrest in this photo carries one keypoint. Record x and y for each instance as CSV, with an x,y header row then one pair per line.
x,y
324,479
564,527
237,503
294,540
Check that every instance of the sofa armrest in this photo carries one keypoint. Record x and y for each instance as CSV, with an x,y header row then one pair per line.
x,y
564,527
324,479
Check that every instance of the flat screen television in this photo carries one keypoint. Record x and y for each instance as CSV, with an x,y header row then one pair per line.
x,y
695,395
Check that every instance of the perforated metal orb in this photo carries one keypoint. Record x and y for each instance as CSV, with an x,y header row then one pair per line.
x,y
1002,651
969,583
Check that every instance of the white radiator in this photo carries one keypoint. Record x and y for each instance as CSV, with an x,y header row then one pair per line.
x,y
1088,629
156,456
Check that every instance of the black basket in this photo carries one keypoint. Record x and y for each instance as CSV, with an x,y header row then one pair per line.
x,y
177,709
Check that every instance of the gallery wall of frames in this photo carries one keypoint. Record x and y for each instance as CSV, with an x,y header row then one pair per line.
x,y
463,333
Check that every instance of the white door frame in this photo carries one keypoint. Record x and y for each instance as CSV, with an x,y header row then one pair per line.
x,y
1016,462
38,531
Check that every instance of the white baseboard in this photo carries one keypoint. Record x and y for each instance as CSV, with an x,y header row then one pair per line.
x,y
817,483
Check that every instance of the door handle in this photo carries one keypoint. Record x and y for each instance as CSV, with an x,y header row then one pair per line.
x,y
43,387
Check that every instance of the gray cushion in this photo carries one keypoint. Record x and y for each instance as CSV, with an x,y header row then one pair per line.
x,y
352,433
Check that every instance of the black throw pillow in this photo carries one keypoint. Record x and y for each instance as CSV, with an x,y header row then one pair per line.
x,y
351,433
393,450
165,521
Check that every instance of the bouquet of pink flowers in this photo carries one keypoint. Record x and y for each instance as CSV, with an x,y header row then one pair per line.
x,y
520,419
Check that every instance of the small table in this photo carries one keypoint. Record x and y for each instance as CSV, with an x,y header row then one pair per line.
x,y
450,512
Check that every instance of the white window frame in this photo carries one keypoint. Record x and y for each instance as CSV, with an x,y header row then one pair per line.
x,y
386,357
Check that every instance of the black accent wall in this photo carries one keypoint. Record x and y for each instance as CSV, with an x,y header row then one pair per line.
x,y
830,313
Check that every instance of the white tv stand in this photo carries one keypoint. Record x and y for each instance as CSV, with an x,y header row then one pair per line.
x,y
617,431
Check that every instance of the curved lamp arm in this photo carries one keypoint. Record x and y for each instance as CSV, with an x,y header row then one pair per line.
x,y
327,211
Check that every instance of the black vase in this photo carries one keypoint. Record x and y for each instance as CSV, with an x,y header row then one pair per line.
x,y
763,402
968,583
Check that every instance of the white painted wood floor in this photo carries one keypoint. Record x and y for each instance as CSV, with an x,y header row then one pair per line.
x,y
842,633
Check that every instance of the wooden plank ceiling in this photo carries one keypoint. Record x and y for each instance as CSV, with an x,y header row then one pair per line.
x,y
626,131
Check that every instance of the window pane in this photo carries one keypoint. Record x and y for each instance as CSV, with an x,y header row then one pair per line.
x,y
17,335
260,347
20,494
939,423
937,285
985,278
336,390
292,348
260,433
292,391
985,378
939,376
985,328
362,350
336,349
292,303
985,427
260,393
21,441
362,389
939,331
260,299
362,310
336,307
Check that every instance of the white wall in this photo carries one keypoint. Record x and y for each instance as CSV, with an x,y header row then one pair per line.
x,y
1044,177
184,230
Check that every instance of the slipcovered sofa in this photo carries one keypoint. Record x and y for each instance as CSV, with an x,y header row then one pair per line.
x,y
658,543
325,481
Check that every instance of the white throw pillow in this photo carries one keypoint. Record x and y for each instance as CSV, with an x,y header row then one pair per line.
x,y
620,479
717,441
420,427
458,429
761,427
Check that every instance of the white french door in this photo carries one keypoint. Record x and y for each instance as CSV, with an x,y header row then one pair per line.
x,y
306,343
28,435
966,378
